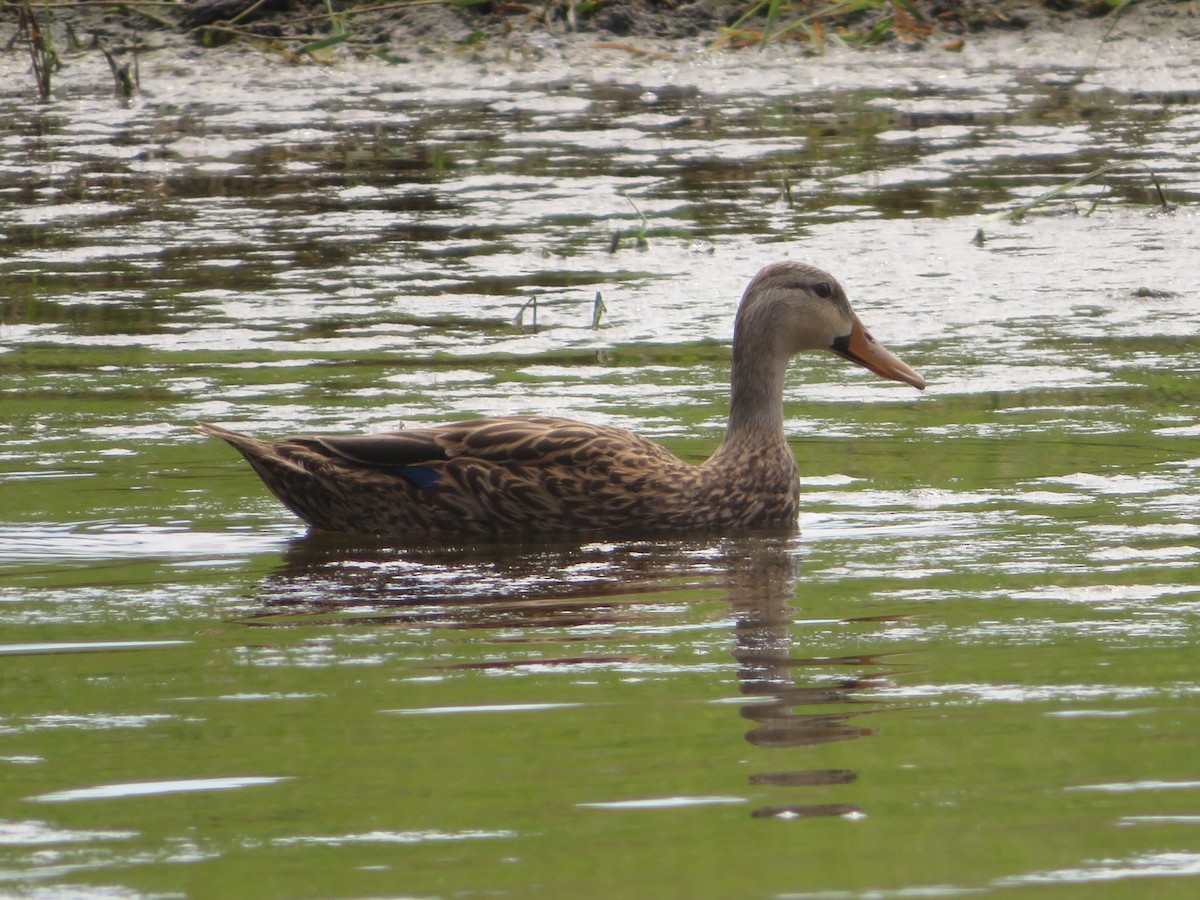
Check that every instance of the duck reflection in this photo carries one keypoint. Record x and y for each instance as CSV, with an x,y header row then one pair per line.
x,y
762,582
793,701
334,578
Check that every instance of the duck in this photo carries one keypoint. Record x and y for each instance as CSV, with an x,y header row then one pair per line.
x,y
530,475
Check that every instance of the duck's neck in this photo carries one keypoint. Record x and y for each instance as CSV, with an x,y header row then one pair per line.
x,y
756,399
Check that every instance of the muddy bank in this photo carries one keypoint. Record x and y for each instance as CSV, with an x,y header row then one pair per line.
x,y
809,22
398,31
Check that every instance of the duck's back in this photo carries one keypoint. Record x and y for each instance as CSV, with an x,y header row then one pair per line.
x,y
498,475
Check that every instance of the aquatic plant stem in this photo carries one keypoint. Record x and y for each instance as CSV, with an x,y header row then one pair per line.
x,y
1015,215
42,57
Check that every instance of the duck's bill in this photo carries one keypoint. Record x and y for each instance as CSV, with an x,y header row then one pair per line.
x,y
859,347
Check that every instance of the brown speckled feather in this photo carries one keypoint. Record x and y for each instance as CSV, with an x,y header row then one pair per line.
x,y
514,475
509,475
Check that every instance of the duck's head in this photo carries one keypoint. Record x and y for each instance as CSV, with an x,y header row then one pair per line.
x,y
790,307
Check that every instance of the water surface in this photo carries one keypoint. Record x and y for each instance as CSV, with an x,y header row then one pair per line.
x,y
971,670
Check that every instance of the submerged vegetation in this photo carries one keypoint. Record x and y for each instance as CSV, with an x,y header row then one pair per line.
x,y
1044,199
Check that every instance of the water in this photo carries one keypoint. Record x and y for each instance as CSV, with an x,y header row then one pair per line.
x,y
971,671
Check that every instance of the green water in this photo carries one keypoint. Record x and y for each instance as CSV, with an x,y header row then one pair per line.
x,y
973,669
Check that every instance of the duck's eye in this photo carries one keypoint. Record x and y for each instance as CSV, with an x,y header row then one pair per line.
x,y
823,289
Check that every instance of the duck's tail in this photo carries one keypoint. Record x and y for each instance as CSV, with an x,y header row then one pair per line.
x,y
243,443
283,472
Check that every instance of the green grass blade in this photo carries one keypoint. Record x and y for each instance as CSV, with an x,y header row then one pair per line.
x,y
1017,214
332,41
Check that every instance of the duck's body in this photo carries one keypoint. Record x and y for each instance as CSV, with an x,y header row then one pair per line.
x,y
514,475
518,475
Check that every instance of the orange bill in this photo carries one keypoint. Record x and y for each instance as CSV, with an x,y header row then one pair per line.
x,y
859,347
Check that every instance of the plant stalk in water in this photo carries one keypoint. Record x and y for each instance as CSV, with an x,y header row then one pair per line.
x,y
1015,215
598,310
640,234
126,78
42,57
519,319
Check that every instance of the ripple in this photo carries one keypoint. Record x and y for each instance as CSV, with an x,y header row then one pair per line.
x,y
155,788
662,803
25,544
34,833
391,837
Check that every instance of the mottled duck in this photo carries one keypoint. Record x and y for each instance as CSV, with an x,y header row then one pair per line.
x,y
522,475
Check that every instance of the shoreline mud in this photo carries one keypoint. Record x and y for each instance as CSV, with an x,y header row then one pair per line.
x,y
400,32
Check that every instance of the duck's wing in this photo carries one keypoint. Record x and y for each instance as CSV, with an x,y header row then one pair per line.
x,y
489,475
387,450
499,440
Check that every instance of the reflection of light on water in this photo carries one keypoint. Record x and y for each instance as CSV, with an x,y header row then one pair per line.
x,y
661,802
88,722
1150,864
1159,820
1140,554
1124,787
1015,693
496,707
942,509
1103,593
32,832
1098,713
392,837
105,541
154,788
83,647
1116,484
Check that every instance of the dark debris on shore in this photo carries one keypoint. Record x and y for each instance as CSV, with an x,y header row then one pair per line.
x,y
320,29
744,21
